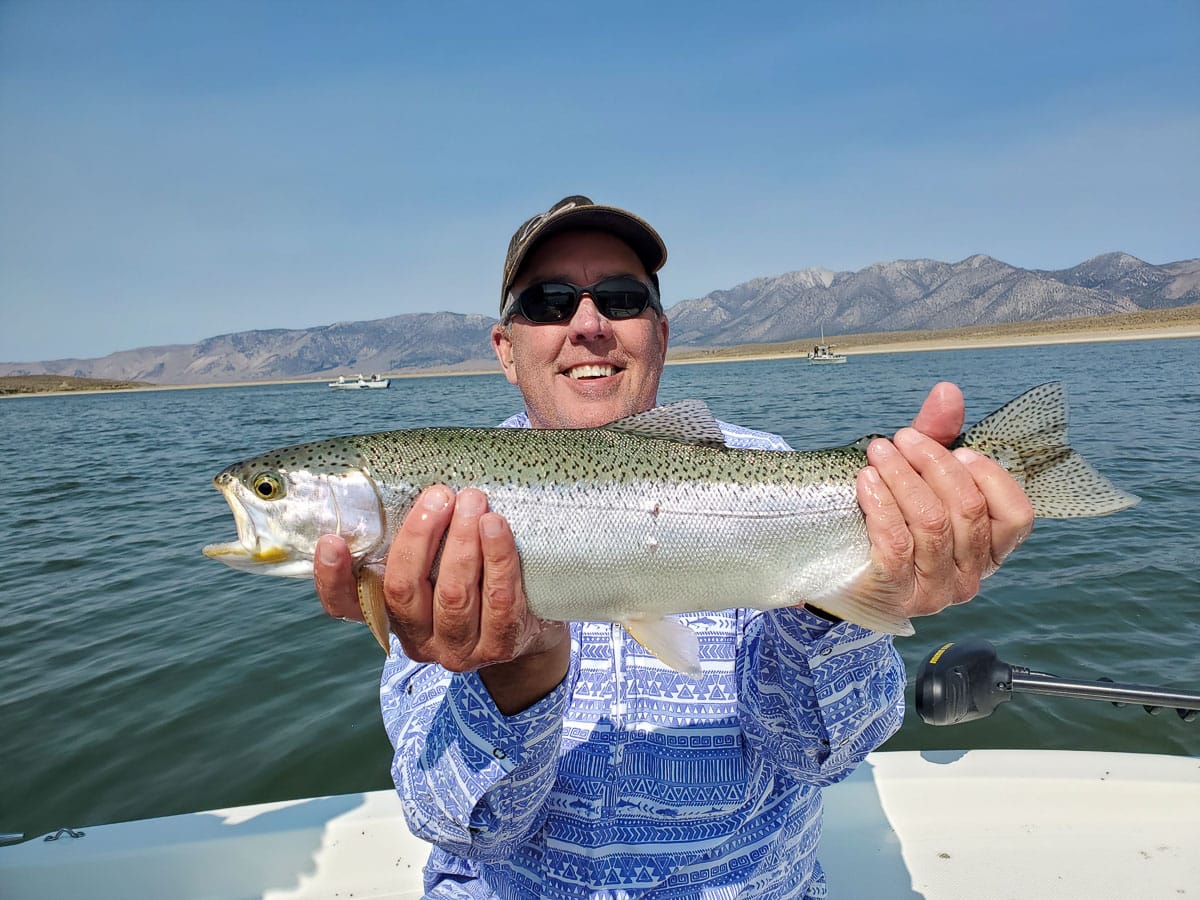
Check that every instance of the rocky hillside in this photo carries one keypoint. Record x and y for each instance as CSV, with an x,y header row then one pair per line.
x,y
906,295
926,294
421,340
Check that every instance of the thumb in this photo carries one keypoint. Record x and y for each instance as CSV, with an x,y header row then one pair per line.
x,y
942,414
334,577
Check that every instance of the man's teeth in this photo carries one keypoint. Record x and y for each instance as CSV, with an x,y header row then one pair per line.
x,y
591,371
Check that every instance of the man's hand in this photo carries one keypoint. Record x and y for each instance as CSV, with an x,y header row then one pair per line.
x,y
474,615
939,521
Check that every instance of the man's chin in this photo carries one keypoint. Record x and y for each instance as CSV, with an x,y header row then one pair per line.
x,y
588,403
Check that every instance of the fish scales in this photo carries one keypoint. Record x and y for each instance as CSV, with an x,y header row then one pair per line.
x,y
632,522
690,525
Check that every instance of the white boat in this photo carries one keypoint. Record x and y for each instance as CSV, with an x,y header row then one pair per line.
x,y
938,825
822,354
358,383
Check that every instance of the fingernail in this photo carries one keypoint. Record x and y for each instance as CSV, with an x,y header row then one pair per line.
x,y
491,526
908,437
471,503
435,499
327,554
966,455
871,476
880,448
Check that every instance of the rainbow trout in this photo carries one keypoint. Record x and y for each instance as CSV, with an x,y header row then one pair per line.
x,y
631,522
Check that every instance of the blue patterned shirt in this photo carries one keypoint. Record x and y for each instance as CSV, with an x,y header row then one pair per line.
x,y
632,780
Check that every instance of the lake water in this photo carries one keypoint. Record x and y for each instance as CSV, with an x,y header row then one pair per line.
x,y
141,679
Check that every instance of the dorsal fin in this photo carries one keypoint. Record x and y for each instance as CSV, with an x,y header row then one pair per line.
x,y
686,421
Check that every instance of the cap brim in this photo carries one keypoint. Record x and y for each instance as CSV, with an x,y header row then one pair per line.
x,y
635,232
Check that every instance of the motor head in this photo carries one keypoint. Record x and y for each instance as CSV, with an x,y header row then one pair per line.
x,y
960,682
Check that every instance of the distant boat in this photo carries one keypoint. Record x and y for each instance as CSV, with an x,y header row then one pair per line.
x,y
822,354
354,384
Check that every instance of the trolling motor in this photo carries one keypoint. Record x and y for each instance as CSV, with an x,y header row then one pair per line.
x,y
965,680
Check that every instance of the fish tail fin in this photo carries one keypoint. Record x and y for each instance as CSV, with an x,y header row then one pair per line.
x,y
374,607
1028,437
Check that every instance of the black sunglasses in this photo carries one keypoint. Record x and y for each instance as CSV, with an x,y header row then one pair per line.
x,y
619,297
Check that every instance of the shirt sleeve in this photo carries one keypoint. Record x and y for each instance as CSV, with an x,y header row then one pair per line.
x,y
471,780
817,697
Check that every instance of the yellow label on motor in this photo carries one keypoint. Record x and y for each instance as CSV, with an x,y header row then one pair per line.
x,y
942,649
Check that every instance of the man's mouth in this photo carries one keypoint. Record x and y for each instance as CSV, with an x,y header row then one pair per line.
x,y
578,372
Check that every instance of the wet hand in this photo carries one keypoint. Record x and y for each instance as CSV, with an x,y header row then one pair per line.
x,y
939,521
472,614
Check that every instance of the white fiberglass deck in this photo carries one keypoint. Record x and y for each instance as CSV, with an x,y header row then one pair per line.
x,y
939,825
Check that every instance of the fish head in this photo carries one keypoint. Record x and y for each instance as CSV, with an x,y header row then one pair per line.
x,y
282,508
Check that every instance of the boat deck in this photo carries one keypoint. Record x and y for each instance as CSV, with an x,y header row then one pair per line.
x,y
939,825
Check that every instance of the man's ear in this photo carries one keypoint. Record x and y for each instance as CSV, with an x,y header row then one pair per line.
x,y
502,344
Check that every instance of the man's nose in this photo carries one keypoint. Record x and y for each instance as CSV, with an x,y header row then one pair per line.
x,y
587,323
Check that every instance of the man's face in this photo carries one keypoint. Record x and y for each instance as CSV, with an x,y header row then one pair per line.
x,y
588,370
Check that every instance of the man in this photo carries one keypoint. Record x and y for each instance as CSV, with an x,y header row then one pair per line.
x,y
563,760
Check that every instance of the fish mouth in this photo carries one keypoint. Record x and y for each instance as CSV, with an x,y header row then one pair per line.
x,y
591,370
235,553
247,552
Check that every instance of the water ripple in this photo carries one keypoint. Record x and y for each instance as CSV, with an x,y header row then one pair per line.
x,y
141,679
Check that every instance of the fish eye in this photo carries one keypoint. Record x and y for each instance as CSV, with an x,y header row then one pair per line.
x,y
267,485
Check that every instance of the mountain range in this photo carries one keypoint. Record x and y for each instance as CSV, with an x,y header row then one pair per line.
x,y
918,294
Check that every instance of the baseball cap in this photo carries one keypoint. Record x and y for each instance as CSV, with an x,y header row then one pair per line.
x,y
578,212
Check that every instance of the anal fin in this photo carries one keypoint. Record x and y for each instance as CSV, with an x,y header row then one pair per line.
x,y
374,607
855,602
668,639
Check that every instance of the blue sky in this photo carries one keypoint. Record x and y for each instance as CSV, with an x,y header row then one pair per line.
x,y
174,170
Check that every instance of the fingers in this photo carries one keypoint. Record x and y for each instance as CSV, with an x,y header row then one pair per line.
x,y
406,583
334,577
1009,510
960,505
505,622
473,614
456,594
1010,513
928,567
945,514
887,530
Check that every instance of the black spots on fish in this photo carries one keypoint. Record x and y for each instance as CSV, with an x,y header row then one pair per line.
x,y
1065,486
1036,420
1028,436
319,457
686,421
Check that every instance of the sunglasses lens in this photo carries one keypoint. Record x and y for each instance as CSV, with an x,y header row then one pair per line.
x,y
621,298
615,298
548,302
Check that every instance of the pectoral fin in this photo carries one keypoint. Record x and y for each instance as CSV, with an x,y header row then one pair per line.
x,y
668,639
374,608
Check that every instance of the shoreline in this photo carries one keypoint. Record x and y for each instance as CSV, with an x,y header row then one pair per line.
x,y
935,345
978,338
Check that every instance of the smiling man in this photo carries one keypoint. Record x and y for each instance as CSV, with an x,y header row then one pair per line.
x,y
563,759
580,367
